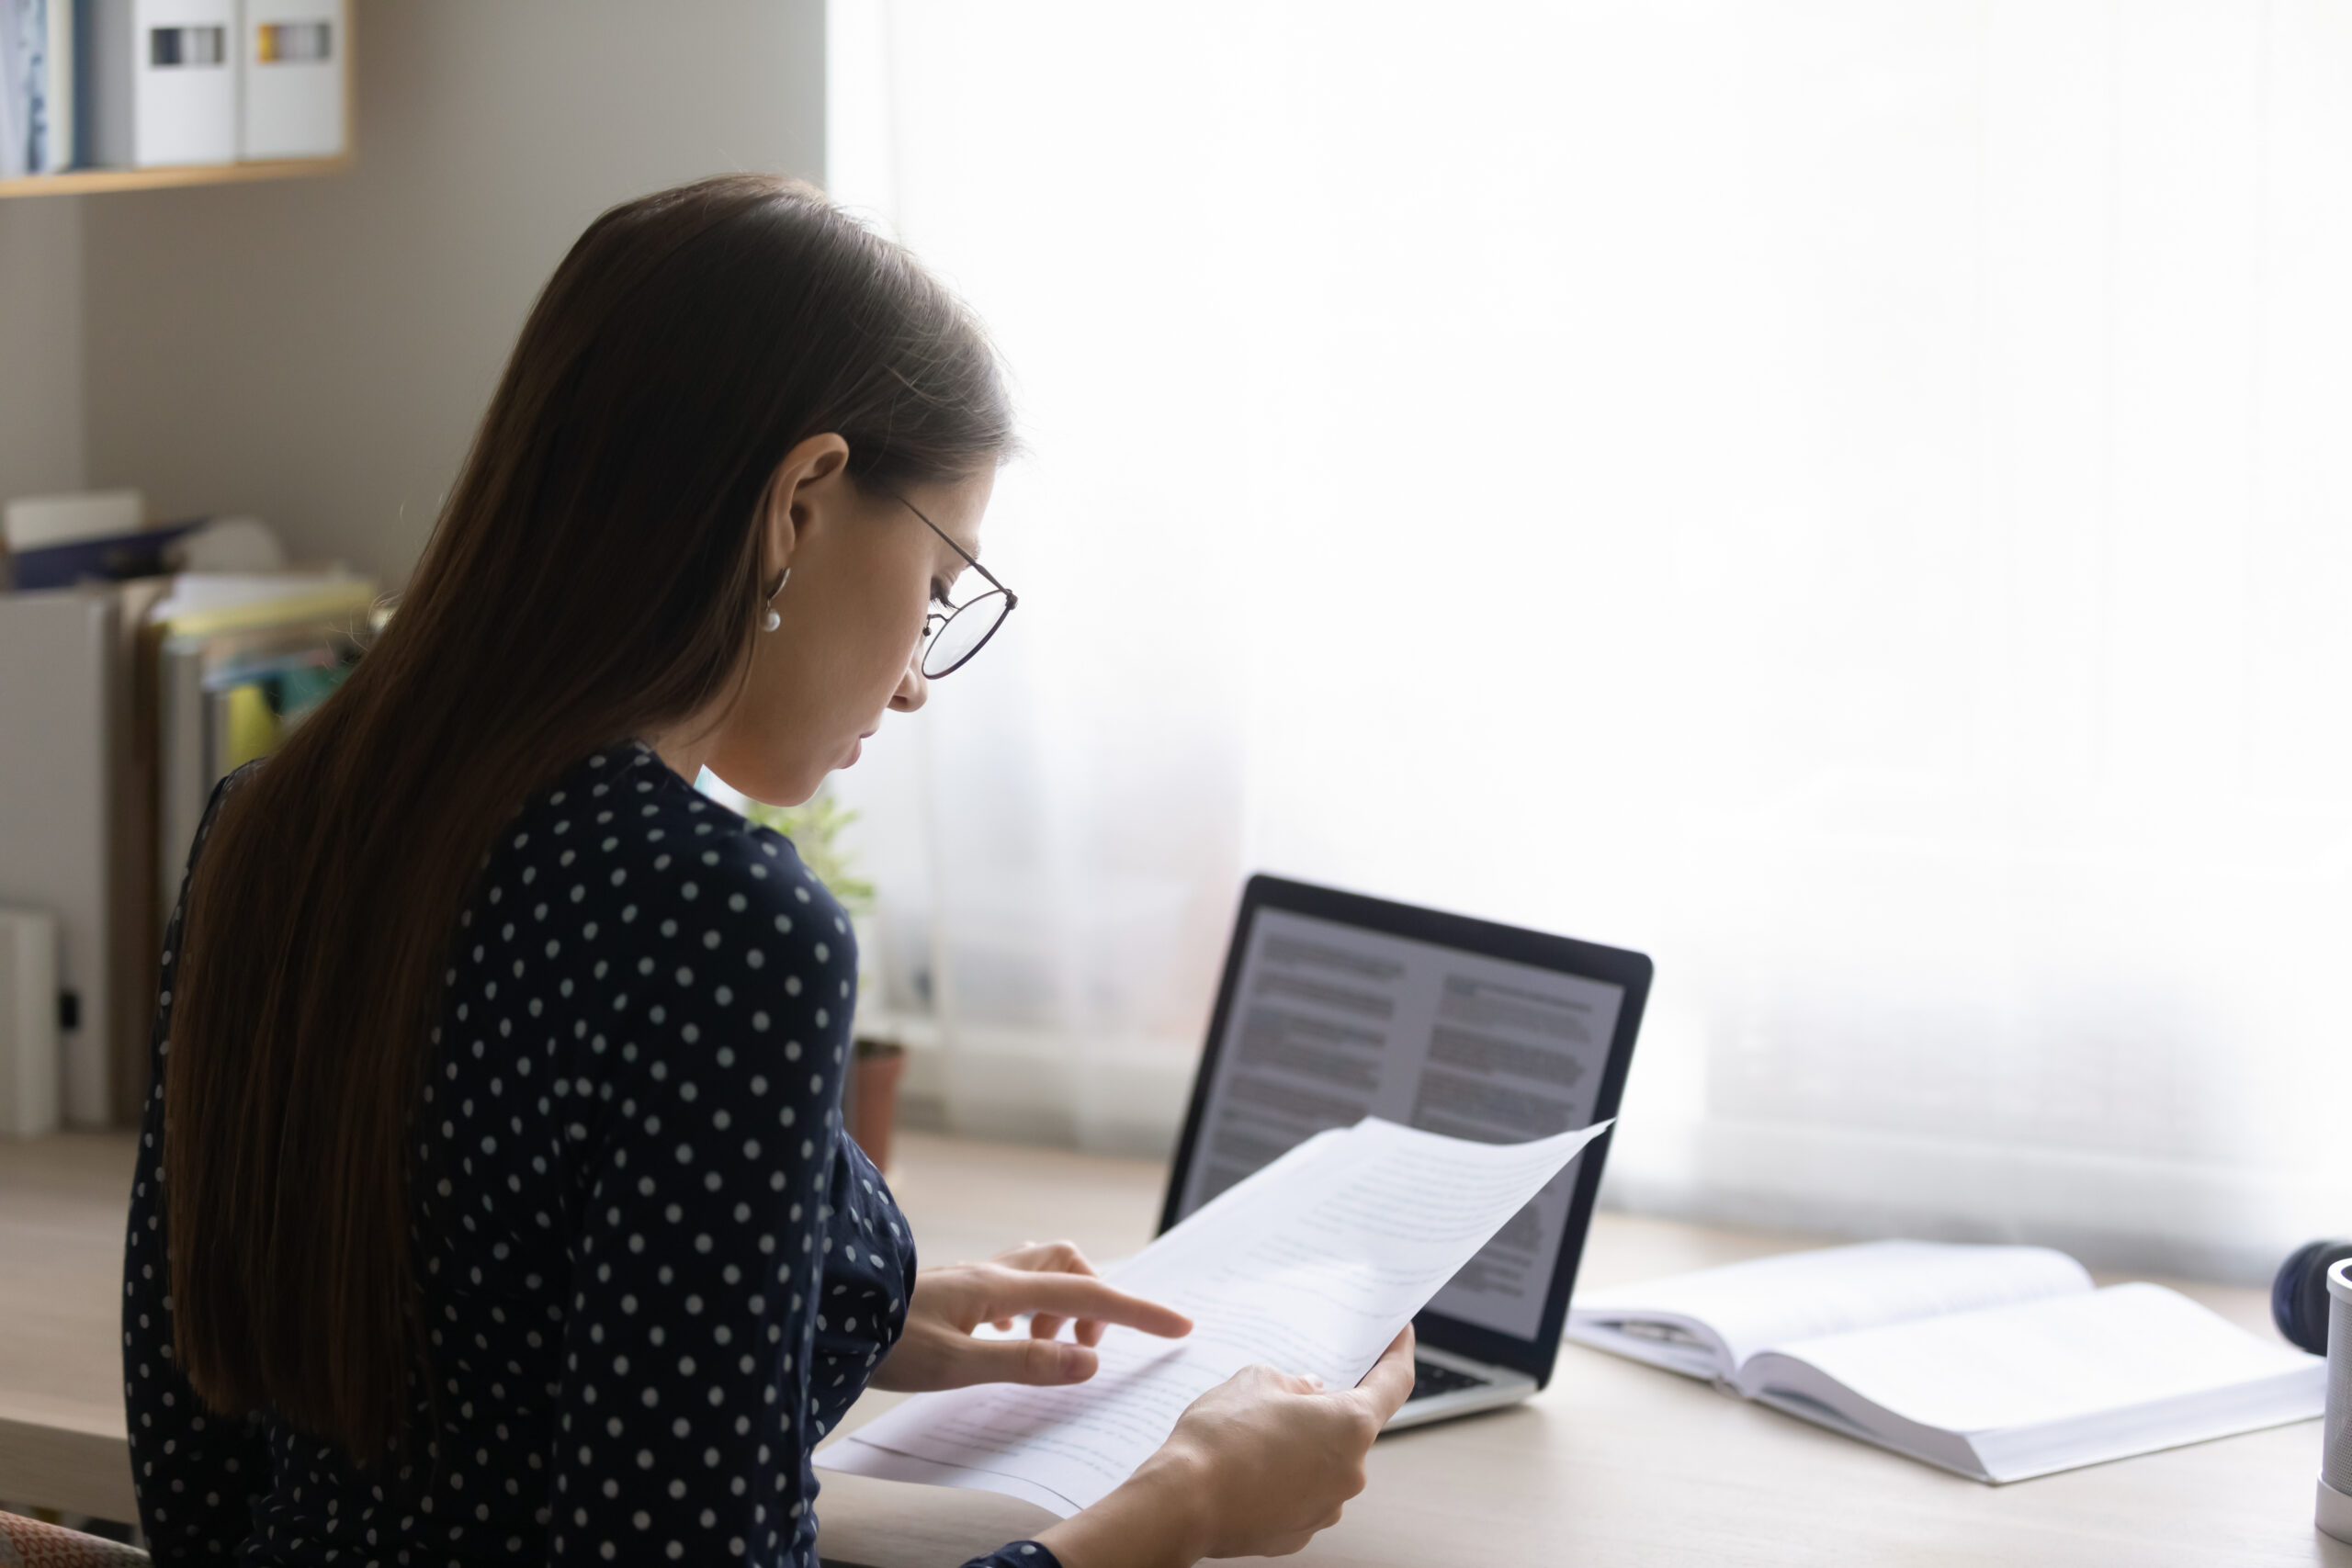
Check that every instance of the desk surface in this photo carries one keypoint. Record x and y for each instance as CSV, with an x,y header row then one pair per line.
x,y
1613,1464
62,1442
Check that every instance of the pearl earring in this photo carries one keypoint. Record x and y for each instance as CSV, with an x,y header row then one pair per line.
x,y
770,621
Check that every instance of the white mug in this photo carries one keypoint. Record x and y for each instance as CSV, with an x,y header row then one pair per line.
x,y
2335,1453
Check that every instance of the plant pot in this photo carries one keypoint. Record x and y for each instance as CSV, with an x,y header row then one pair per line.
x,y
874,1097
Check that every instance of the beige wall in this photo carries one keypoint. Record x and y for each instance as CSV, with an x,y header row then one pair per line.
x,y
40,345
317,352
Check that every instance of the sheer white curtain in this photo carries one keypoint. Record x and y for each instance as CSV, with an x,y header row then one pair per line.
x,y
1853,499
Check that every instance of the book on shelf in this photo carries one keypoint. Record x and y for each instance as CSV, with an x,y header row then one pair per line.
x,y
1996,1362
111,557
37,117
127,702
55,541
47,522
237,661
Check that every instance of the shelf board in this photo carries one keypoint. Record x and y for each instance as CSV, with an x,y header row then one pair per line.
x,y
77,182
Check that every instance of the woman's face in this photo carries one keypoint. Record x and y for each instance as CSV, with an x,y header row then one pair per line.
x,y
848,642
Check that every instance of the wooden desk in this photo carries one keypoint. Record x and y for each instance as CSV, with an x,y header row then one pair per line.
x,y
62,1441
1613,1464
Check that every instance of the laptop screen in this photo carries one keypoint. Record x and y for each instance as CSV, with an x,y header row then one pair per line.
x,y
1326,1022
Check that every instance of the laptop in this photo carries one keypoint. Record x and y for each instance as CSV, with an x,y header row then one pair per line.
x,y
1335,1007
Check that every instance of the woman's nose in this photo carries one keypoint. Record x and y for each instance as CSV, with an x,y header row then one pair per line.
x,y
914,688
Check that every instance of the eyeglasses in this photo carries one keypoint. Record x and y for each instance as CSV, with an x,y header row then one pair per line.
x,y
951,636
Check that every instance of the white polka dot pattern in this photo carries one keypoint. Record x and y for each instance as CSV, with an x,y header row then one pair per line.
x,y
654,1271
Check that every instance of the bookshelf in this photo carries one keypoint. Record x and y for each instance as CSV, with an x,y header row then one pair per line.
x,y
91,182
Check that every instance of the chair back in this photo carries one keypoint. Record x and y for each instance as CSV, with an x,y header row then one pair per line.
x,y
28,1544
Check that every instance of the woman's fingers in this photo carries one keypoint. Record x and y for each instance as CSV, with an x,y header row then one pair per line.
x,y
1064,1258
1061,1296
1390,1382
1043,1362
1055,1256
1259,1374
1046,1326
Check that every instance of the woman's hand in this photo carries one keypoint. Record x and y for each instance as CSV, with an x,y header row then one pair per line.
x,y
1254,1468
1052,1282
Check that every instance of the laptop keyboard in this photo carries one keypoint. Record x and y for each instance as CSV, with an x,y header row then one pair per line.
x,y
1429,1378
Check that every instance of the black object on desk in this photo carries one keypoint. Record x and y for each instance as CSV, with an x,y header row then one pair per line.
x,y
2298,1295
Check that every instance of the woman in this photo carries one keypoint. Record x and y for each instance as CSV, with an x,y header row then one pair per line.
x,y
498,1071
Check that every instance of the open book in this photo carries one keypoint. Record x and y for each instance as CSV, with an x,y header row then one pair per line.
x,y
1312,1265
1999,1362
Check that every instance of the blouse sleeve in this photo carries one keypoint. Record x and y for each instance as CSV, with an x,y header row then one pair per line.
x,y
195,1472
870,1277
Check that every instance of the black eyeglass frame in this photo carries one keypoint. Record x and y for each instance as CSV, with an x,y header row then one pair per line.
x,y
936,620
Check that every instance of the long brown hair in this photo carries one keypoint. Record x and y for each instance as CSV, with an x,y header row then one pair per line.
x,y
592,576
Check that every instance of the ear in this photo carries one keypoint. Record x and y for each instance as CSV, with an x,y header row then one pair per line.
x,y
808,489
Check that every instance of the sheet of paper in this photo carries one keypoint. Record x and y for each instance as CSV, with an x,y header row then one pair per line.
x,y
1312,1265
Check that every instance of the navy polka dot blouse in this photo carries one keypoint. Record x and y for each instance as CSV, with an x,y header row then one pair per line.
x,y
655,1271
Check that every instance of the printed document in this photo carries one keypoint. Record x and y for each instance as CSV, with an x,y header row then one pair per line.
x,y
1312,1265
1333,1022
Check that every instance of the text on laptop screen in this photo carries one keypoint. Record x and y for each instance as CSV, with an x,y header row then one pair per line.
x,y
1330,1023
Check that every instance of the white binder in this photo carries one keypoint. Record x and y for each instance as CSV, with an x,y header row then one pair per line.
x,y
59,652
293,69
163,81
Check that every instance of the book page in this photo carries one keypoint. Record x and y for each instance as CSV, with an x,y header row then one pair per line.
x,y
2039,1362
1313,1265
1772,1301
